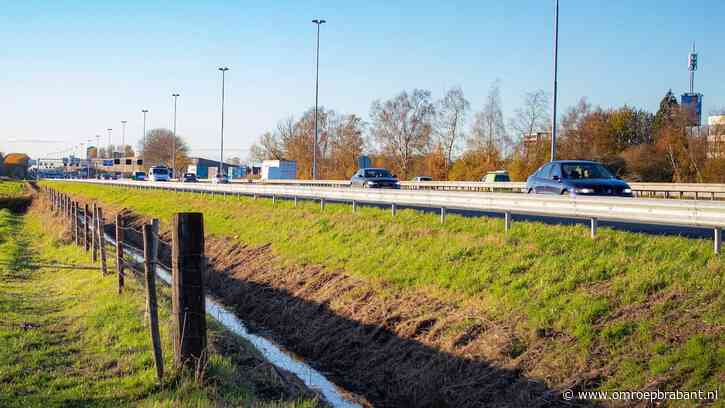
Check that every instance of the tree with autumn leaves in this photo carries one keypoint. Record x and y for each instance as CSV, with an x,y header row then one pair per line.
x,y
414,135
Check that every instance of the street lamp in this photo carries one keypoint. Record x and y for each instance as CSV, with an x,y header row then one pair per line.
x,y
88,160
143,155
221,150
556,67
317,88
173,149
110,153
123,137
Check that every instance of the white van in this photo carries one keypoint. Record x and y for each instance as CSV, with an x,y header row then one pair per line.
x,y
160,173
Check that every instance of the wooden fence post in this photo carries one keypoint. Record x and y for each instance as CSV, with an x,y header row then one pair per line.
x,y
94,243
74,220
119,251
187,298
86,227
101,240
150,246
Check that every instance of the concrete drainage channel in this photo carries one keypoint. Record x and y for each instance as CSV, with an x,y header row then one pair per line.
x,y
282,359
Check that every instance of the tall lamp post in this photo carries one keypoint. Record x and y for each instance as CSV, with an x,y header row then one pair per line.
x,y
173,142
319,22
110,153
143,155
556,68
221,150
88,160
123,147
98,154
123,137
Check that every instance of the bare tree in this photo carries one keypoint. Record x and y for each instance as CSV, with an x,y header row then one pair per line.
x,y
402,127
347,143
488,132
450,117
157,149
533,115
128,151
267,148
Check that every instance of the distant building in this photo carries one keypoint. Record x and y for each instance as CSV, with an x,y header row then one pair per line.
x,y
716,136
205,168
279,170
533,139
15,165
122,165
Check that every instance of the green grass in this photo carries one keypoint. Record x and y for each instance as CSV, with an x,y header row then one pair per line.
x,y
68,339
12,188
618,295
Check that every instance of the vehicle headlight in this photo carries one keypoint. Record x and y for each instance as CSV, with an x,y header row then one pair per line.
x,y
371,183
584,190
627,191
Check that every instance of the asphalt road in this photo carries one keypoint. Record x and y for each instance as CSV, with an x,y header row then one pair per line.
x,y
631,226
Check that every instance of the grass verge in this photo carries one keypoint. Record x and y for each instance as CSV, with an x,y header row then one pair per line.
x,y
12,188
643,311
68,339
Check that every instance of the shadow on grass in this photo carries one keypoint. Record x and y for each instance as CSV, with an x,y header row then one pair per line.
x,y
372,360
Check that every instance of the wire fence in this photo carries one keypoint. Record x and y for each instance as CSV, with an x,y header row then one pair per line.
x,y
137,253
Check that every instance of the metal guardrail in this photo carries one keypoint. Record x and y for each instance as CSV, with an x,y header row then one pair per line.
x,y
666,190
688,213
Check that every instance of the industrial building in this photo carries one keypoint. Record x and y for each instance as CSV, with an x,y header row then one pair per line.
x,y
716,136
533,139
279,170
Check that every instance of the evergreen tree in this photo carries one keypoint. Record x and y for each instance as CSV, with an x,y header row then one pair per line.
x,y
667,114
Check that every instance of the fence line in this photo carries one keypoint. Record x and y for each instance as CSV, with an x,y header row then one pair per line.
x,y
187,291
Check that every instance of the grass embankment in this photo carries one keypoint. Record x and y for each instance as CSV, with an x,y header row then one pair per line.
x,y
68,339
12,188
642,310
14,195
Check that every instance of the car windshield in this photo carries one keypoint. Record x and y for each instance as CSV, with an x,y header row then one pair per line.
x,y
376,173
501,177
577,171
160,171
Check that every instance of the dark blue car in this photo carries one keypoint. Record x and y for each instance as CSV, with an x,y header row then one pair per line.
x,y
576,178
374,178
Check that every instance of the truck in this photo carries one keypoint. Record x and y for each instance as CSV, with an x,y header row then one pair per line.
x,y
279,170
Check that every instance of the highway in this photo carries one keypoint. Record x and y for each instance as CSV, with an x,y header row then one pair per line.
x,y
649,190
691,218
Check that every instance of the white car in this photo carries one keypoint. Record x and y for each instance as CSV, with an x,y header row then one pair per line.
x,y
160,173
223,179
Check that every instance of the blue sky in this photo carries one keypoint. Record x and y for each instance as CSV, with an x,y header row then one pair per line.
x,y
72,69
